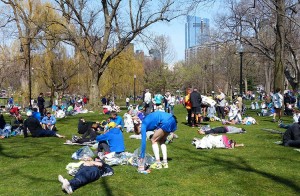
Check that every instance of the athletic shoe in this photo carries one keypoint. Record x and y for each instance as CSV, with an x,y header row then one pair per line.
x,y
165,165
65,184
74,139
156,165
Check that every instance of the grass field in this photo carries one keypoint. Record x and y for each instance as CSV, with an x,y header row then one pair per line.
x,y
30,166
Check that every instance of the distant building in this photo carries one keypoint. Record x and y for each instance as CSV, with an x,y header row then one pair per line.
x,y
197,34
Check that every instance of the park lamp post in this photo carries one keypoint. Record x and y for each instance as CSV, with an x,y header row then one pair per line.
x,y
134,77
241,51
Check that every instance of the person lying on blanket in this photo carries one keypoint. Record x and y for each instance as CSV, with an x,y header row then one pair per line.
x,y
211,141
225,129
89,171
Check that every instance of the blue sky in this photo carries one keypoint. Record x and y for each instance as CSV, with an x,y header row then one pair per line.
x,y
176,28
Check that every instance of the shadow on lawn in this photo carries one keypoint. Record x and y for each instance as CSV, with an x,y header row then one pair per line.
x,y
240,164
15,154
105,184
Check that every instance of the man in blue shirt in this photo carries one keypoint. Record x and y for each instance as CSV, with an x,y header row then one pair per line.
x,y
162,124
114,117
112,140
48,121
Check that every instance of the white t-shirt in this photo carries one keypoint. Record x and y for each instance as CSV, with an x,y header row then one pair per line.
x,y
147,98
127,99
277,100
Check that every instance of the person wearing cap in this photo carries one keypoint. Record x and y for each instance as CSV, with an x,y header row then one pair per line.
x,y
48,122
112,140
35,128
162,124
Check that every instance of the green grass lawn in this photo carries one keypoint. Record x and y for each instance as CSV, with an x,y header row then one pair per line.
x,y
30,166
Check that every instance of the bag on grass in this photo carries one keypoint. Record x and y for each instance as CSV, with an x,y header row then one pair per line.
x,y
83,152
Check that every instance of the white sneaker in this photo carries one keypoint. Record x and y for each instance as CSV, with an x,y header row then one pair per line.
x,y
65,184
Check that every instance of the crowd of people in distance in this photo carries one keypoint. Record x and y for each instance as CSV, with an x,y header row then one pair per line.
x,y
153,120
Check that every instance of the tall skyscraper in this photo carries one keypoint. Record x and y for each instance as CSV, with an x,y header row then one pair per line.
x,y
196,31
196,35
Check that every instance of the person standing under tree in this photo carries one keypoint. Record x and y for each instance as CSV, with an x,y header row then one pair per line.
x,y
196,100
41,103
221,102
127,101
277,100
188,106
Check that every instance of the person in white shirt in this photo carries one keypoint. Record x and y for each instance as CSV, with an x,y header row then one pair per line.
x,y
277,100
148,101
127,102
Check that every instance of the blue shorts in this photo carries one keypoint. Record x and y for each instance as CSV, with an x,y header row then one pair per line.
x,y
169,126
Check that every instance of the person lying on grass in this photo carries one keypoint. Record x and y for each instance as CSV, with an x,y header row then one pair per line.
x,y
215,141
88,172
292,136
225,129
162,124
32,125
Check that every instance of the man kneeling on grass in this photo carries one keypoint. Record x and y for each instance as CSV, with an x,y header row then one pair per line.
x,y
88,172
34,126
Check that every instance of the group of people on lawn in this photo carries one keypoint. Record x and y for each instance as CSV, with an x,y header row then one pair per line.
x,y
109,134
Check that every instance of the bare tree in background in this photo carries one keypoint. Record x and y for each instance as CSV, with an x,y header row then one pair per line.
x,y
102,29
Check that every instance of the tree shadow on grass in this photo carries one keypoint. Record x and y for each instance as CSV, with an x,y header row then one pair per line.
x,y
16,154
105,184
240,163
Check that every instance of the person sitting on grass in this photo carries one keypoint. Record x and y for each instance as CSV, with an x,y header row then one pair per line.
x,y
16,122
89,171
225,129
212,141
114,117
112,140
291,137
36,114
35,128
49,121
88,136
162,124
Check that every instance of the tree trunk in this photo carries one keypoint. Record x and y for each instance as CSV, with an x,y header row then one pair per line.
x,y
268,78
279,45
94,88
246,85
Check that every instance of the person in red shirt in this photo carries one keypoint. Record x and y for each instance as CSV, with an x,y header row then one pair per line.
x,y
84,100
14,111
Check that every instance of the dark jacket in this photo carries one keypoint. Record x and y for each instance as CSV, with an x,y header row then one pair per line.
x,y
33,126
195,99
40,102
84,126
292,133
